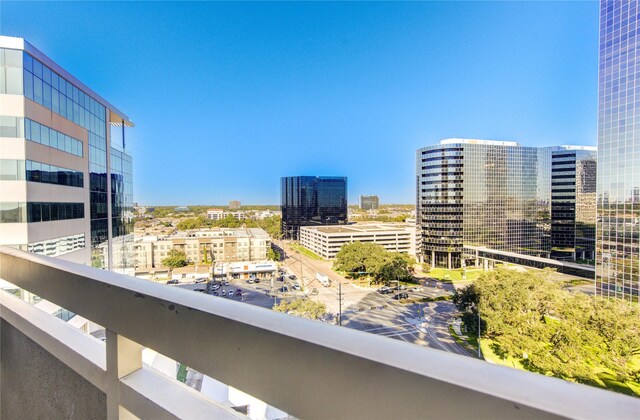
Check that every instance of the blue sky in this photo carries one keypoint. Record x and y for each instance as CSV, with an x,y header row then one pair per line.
x,y
229,97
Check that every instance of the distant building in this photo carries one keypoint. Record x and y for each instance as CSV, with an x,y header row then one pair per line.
x,y
181,209
369,202
234,205
215,214
573,203
482,194
312,200
326,241
204,246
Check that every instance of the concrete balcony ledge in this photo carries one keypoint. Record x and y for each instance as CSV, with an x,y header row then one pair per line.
x,y
306,368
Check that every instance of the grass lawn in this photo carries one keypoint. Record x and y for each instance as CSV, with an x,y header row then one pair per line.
x,y
454,276
306,252
606,378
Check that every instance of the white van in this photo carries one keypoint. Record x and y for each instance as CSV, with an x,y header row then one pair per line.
x,y
323,279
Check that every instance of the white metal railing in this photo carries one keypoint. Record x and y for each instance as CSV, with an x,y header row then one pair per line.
x,y
307,368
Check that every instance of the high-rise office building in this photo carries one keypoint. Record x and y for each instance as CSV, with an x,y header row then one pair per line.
x,y
312,200
573,203
618,209
234,205
369,202
65,174
477,194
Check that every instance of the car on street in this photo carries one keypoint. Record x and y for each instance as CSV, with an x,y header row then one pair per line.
x,y
238,293
230,293
280,278
400,296
199,289
292,277
416,289
384,289
174,281
256,280
215,293
250,281
215,286
296,287
400,287
226,283
284,289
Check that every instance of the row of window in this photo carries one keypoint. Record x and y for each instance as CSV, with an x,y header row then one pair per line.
x,y
46,136
51,174
11,170
11,127
10,72
47,88
58,246
16,212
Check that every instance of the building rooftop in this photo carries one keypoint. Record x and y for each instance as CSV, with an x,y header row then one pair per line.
x,y
360,228
478,141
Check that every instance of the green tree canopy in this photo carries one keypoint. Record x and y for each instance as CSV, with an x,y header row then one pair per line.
x,y
175,259
304,308
374,260
553,331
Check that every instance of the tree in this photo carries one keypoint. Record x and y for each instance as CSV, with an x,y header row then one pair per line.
x,y
272,254
553,331
373,260
303,308
175,259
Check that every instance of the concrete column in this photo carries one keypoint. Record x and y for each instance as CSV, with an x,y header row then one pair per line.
x,y
449,260
123,357
477,262
433,259
485,264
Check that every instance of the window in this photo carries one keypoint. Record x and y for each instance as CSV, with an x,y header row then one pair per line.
x,y
11,127
12,213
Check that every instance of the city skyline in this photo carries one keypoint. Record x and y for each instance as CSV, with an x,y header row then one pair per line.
x,y
239,96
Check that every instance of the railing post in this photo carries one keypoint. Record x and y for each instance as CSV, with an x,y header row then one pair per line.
x,y
123,357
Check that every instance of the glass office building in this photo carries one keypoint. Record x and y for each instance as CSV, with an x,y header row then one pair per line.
x,y
573,203
475,194
618,185
312,200
66,146
369,202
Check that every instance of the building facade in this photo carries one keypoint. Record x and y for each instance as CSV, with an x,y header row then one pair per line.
x,y
65,173
204,246
312,200
369,202
326,241
234,205
482,194
618,190
573,203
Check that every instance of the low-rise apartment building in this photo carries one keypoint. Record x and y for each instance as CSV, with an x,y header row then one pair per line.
x,y
204,246
326,241
218,214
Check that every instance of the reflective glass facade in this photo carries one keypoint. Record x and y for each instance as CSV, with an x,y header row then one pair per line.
x,y
310,200
369,202
573,204
122,255
618,190
483,194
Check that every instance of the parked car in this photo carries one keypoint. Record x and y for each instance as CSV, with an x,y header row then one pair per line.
x,y
174,281
292,277
230,293
416,289
199,289
238,293
215,287
226,282
296,287
401,287
401,296
251,281
215,293
280,278
256,280
384,289
284,289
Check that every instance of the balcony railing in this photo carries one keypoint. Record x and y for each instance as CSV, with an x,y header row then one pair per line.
x,y
308,369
